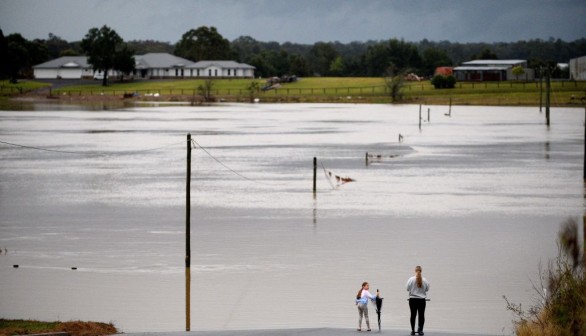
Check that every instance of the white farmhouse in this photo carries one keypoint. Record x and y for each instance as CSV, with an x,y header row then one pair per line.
x,y
151,65
160,65
225,69
68,67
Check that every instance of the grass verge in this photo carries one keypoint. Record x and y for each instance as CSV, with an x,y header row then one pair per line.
x,y
74,328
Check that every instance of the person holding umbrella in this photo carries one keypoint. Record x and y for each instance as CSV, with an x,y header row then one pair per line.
x,y
417,286
362,298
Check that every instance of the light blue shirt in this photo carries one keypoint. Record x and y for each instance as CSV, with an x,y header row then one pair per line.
x,y
364,297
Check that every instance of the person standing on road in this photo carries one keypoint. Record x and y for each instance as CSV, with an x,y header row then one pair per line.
x,y
417,286
362,303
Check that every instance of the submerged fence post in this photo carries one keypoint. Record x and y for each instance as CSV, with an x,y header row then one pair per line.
x,y
420,117
450,110
428,115
314,175
547,95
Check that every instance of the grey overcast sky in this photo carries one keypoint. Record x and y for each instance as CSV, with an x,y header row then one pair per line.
x,y
302,21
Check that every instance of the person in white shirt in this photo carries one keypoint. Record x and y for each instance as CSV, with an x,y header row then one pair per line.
x,y
417,286
362,302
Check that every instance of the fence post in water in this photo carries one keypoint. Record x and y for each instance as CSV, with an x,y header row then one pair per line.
x,y
428,115
314,175
450,110
547,95
540,91
420,117
366,159
585,164
188,206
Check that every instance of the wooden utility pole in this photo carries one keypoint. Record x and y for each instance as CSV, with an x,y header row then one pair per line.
x,y
188,238
188,206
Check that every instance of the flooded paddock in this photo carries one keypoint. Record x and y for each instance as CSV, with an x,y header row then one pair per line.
x,y
475,198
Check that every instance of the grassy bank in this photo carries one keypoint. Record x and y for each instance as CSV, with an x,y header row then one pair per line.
x,y
74,328
339,89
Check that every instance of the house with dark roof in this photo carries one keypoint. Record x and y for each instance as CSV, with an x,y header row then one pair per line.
x,y
160,65
151,65
492,70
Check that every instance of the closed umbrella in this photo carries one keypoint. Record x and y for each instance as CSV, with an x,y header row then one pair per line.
x,y
379,305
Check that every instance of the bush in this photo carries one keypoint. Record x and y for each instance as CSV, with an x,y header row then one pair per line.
x,y
443,82
561,308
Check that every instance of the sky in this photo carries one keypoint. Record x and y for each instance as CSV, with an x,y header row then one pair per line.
x,y
302,21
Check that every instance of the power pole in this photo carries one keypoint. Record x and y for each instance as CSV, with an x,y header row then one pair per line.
x,y
188,206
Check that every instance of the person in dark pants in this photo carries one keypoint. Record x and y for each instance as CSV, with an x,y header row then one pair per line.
x,y
417,286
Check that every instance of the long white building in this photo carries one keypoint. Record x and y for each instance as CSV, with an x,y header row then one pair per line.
x,y
151,65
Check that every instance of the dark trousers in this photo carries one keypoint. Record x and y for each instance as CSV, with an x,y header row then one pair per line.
x,y
417,306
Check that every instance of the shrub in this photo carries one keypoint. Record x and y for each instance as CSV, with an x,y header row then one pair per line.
x,y
443,82
561,308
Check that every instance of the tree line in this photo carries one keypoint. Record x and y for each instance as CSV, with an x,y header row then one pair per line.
x,y
370,58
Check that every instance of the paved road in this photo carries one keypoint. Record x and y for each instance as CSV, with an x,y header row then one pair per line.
x,y
291,332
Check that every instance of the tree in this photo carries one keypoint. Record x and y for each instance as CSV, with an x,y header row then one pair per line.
x,y
203,43
395,83
337,67
4,65
486,54
124,61
106,51
253,89
205,90
433,58
321,56
518,71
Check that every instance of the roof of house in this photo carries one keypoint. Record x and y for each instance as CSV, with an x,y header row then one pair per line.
x,y
483,68
65,62
220,64
494,62
146,61
160,60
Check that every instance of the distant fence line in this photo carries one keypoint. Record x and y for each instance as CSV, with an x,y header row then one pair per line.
x,y
286,91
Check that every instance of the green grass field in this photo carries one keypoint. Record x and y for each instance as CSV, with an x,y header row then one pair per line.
x,y
337,89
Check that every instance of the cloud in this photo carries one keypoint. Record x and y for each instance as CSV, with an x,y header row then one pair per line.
x,y
302,21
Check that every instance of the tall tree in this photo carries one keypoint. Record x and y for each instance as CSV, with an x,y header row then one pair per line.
x,y
321,57
433,58
203,43
106,51
4,66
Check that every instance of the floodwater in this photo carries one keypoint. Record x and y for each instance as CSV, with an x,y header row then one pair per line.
x,y
475,198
